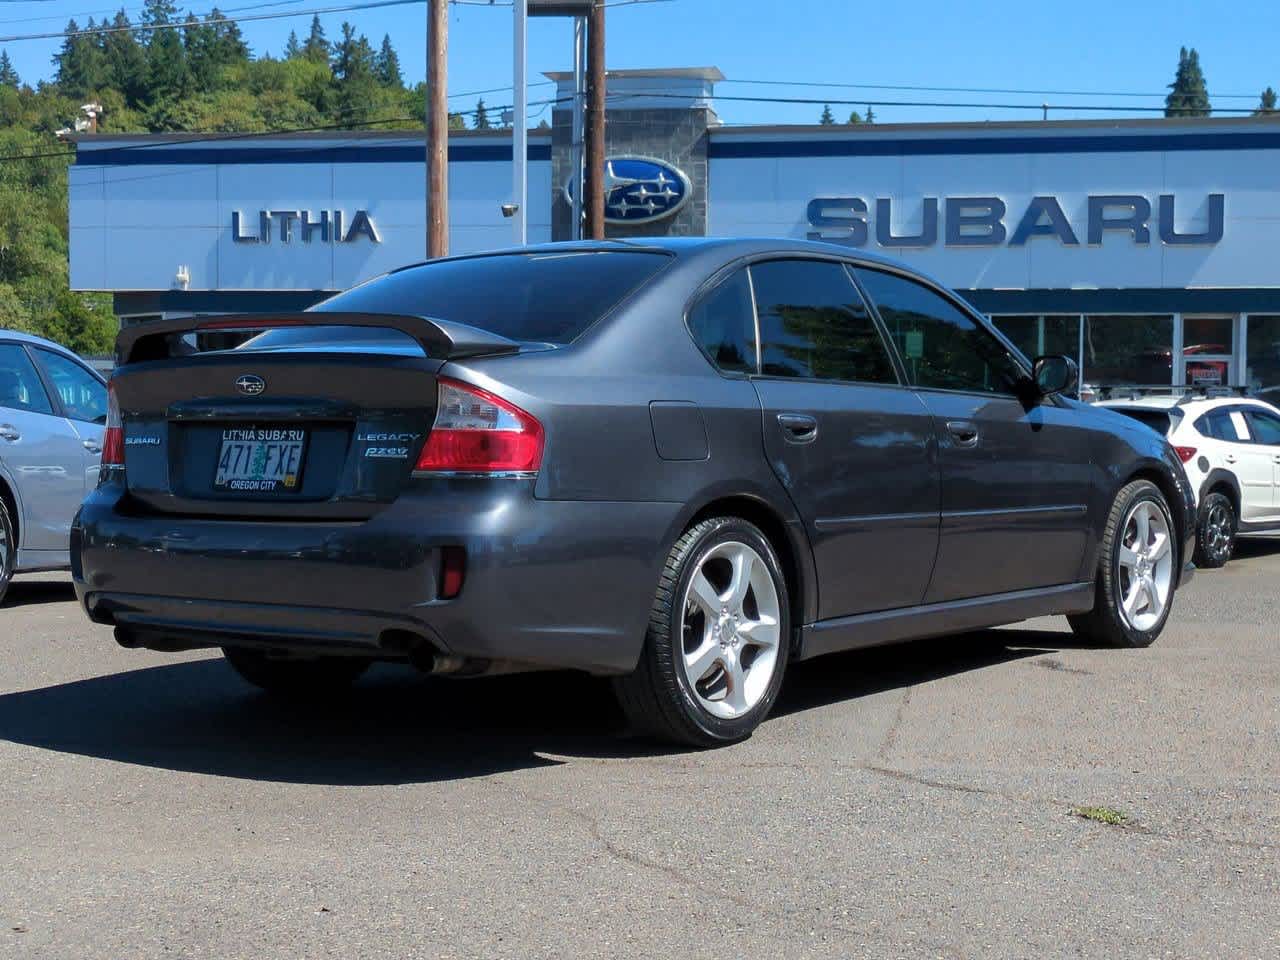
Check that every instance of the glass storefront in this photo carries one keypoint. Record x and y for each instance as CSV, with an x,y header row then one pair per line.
x,y
1040,335
1262,356
1128,349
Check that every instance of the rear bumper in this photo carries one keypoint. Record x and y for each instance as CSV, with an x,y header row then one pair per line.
x,y
548,583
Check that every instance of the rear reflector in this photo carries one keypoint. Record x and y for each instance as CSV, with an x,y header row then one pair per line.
x,y
477,432
453,569
113,434
1185,453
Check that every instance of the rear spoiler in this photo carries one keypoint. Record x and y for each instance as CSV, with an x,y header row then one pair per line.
x,y
439,339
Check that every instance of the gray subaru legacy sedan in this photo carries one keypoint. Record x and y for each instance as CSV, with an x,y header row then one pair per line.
x,y
682,464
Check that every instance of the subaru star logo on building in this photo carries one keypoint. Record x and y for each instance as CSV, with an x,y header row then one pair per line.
x,y
251,385
642,189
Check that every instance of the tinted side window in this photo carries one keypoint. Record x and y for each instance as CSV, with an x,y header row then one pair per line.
x,y
813,323
940,344
1216,425
1266,426
723,324
20,386
82,394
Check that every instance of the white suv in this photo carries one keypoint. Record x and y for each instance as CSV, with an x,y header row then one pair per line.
x,y
1230,447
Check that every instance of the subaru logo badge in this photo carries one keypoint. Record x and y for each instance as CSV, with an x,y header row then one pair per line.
x,y
640,190
251,385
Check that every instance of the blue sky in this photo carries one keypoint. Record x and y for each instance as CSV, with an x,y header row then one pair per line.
x,y
1108,47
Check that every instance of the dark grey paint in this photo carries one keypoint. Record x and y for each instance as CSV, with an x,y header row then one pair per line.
x,y
876,516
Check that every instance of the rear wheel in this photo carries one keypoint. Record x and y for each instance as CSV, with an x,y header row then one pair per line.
x,y
716,648
295,678
1137,571
8,550
1216,536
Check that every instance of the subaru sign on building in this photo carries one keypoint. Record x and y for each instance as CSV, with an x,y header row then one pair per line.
x,y
1143,247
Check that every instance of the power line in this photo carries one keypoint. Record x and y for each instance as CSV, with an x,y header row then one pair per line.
x,y
1015,90
820,101
207,21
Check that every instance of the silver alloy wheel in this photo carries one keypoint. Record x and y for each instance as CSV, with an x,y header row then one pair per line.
x,y
1218,529
1146,566
730,630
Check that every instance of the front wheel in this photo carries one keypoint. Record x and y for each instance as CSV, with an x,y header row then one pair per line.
x,y
295,678
716,648
1216,536
1137,571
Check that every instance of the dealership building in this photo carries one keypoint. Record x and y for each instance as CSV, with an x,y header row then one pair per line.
x,y
1150,249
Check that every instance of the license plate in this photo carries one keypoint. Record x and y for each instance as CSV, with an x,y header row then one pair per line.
x,y
255,460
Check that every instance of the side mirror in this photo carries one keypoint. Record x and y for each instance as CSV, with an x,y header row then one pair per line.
x,y
1054,374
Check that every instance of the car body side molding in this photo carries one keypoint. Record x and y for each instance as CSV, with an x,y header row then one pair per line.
x,y
934,619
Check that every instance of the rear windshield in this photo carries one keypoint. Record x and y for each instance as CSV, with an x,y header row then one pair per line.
x,y
1158,420
534,298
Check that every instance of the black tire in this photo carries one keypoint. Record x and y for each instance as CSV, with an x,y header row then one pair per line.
x,y
1215,531
8,550
1104,624
657,698
295,679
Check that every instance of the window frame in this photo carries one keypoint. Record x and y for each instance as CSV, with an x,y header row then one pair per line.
x,y
50,386
980,322
50,395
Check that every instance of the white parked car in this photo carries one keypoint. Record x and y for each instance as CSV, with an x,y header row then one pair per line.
x,y
1230,447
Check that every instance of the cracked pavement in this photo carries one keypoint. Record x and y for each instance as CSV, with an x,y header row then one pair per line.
x,y
903,802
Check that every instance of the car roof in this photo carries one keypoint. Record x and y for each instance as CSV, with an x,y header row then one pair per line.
x,y
724,248
1176,403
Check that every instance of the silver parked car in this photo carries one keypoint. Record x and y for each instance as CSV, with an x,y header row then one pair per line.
x,y
53,407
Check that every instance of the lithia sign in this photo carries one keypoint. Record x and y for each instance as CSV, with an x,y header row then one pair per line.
x,y
327,226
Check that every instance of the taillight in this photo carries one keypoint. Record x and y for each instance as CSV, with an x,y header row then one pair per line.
x,y
113,435
1185,453
477,432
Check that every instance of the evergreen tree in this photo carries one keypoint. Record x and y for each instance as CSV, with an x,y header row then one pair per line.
x,y
292,49
855,117
198,42
828,118
353,76
8,75
481,118
126,61
1266,103
317,47
871,115
387,65
1188,94
80,63
229,46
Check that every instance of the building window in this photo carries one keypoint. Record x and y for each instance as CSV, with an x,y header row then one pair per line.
x,y
1038,336
1263,354
1128,350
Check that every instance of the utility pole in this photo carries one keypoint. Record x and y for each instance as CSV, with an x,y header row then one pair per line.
x,y
437,128
579,105
520,123
594,189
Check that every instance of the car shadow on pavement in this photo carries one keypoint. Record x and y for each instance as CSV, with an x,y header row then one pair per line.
x,y
25,593
399,727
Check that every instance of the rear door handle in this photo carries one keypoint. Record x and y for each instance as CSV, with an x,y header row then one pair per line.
x,y
9,432
964,432
92,446
798,427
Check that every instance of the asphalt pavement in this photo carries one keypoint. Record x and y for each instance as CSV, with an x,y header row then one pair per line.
x,y
1002,794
